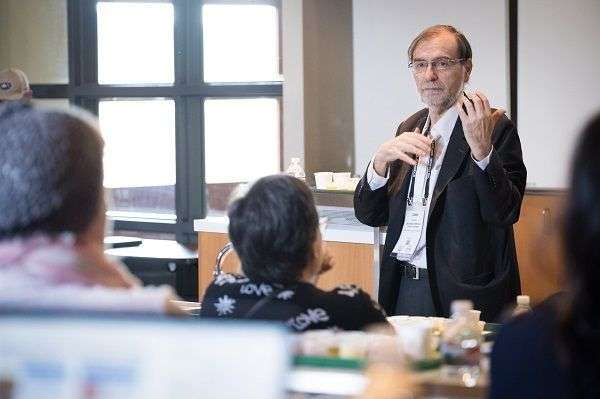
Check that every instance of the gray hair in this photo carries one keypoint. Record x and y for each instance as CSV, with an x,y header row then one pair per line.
x,y
462,44
50,170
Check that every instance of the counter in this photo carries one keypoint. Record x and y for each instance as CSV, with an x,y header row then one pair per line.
x,y
342,226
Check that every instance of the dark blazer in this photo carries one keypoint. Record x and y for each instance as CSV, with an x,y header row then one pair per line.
x,y
470,244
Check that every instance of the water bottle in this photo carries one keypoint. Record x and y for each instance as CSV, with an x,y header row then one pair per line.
x,y
295,169
461,344
523,305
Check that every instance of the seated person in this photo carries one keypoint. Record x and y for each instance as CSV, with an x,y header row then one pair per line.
x,y
554,351
274,229
52,217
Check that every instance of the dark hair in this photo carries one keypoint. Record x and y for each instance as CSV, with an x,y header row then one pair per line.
x,y
462,44
580,320
273,229
77,181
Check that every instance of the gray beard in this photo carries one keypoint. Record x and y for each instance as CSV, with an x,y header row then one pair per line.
x,y
449,102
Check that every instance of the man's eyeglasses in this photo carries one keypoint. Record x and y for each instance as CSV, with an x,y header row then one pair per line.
x,y
439,64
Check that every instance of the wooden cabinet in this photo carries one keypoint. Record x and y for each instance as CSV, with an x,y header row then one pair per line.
x,y
539,247
352,264
209,245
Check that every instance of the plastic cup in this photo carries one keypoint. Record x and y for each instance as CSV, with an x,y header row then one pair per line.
x,y
415,337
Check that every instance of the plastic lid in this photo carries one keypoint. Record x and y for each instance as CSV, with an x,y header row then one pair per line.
x,y
523,300
461,305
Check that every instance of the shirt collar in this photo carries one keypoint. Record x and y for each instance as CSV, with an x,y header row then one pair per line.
x,y
445,125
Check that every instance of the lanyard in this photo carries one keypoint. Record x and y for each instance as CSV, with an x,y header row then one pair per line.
x,y
413,176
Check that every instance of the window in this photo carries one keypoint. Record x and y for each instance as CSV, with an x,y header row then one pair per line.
x,y
240,43
135,43
142,183
188,95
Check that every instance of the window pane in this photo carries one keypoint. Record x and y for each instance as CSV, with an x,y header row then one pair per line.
x,y
241,43
139,156
242,143
135,43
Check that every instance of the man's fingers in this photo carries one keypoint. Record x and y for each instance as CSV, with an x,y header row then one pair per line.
x,y
484,100
407,145
468,105
416,142
478,105
414,149
418,137
406,150
461,112
406,158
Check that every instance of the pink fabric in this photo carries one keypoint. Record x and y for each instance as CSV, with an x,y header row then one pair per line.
x,y
49,260
49,273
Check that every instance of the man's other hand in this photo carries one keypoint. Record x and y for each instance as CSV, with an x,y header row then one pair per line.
x,y
402,147
478,122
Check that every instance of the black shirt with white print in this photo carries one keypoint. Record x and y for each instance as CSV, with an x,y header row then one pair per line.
x,y
300,306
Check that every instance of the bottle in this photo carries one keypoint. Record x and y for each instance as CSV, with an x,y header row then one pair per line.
x,y
295,169
523,305
461,343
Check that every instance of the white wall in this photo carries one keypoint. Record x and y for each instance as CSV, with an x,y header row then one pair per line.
x,y
384,91
4,61
293,85
34,39
559,83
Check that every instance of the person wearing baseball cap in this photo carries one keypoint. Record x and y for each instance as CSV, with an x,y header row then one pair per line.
x,y
14,85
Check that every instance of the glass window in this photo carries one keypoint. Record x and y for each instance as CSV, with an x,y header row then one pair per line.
x,y
224,134
135,43
242,143
139,156
241,43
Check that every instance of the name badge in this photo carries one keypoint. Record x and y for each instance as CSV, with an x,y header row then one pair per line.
x,y
411,232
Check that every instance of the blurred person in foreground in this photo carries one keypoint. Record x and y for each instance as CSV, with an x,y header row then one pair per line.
x,y
52,217
14,86
554,352
274,229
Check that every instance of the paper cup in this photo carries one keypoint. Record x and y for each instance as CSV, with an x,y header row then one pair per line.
x,y
415,336
323,179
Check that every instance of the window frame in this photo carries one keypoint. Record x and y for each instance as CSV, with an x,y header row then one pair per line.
x,y
188,91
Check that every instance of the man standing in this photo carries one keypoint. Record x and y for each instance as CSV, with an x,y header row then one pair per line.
x,y
449,187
